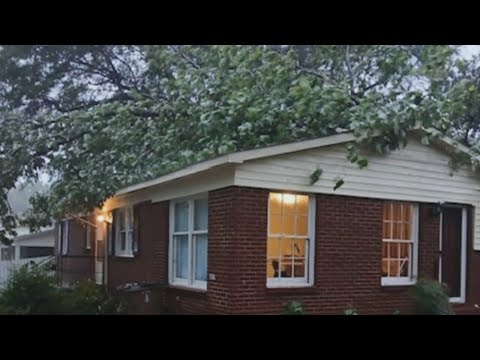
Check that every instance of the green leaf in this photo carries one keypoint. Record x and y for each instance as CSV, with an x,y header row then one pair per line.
x,y
362,163
338,184
315,176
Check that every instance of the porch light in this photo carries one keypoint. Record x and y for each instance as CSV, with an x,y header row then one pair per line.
x,y
104,218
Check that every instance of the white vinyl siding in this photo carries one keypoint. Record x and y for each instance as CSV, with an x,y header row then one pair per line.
x,y
417,173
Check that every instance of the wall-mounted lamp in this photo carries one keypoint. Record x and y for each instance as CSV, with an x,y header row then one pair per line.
x,y
104,218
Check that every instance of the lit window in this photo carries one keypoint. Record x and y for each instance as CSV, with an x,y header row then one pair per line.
x,y
290,239
189,242
124,232
399,245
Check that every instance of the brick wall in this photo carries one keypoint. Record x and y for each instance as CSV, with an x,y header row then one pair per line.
x,y
348,256
79,262
149,265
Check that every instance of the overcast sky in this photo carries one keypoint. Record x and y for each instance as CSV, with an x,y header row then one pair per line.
x,y
469,50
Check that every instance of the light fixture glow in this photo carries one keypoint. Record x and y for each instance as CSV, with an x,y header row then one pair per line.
x,y
288,199
101,218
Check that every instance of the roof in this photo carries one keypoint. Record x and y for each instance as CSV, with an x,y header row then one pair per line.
x,y
242,156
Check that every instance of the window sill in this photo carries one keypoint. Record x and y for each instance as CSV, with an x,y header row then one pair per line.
x,y
127,256
393,282
288,286
187,288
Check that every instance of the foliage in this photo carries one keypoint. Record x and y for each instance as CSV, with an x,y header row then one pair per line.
x,y
431,298
96,118
315,176
350,311
88,298
294,308
30,291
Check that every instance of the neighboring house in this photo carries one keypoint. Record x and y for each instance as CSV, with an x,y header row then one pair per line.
x,y
26,248
246,233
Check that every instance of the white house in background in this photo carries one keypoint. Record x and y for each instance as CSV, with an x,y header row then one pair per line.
x,y
26,248
28,245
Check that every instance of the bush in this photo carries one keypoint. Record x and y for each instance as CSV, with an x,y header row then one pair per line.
x,y
350,311
89,298
30,291
294,308
431,298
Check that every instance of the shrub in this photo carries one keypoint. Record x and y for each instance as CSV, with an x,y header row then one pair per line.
x,y
89,298
30,291
431,298
294,308
350,311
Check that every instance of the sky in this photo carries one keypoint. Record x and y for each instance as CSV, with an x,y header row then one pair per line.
x,y
468,50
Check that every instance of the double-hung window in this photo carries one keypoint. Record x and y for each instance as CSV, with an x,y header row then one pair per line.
x,y
290,244
189,242
124,232
400,243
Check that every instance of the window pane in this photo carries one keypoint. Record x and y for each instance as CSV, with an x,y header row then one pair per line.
x,y
123,241
407,212
387,211
181,216
387,230
384,267
384,250
272,268
286,246
302,204
397,230
289,224
201,245
288,203
275,203
181,267
121,218
275,224
273,247
201,214
407,231
397,212
299,252
302,225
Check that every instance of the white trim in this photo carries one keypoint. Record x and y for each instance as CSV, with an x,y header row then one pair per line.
x,y
401,281
191,282
463,261
309,278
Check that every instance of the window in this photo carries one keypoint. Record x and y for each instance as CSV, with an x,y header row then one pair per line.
x,y
124,232
290,240
63,235
400,243
88,237
189,242
7,253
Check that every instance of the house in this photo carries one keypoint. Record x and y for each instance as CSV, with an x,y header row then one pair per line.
x,y
27,247
246,233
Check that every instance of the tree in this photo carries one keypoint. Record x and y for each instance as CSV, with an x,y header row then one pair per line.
x,y
97,118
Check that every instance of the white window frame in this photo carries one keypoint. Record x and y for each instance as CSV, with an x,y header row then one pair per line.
x,y
64,236
191,282
128,230
404,280
308,280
